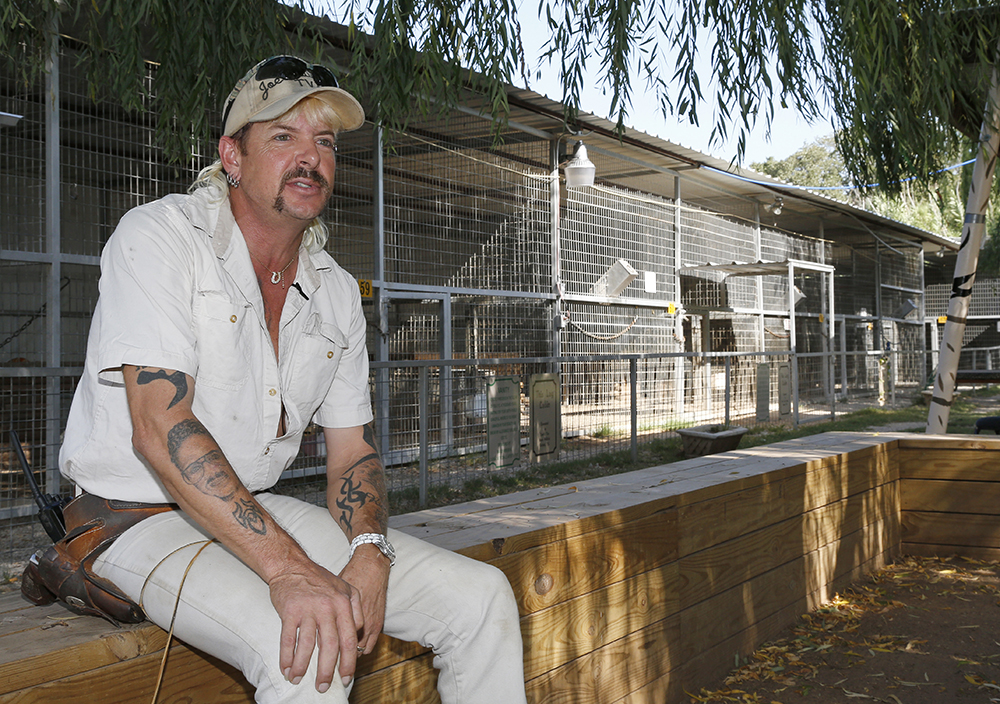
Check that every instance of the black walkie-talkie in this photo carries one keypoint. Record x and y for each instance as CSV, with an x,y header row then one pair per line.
x,y
49,507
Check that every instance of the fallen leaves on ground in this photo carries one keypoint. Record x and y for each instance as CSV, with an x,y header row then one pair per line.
x,y
829,643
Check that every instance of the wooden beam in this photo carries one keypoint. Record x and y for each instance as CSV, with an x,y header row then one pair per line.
x,y
587,623
944,496
613,671
930,463
189,676
958,530
550,574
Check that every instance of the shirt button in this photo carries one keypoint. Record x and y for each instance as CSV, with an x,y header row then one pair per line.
x,y
232,319
329,355
272,392
267,451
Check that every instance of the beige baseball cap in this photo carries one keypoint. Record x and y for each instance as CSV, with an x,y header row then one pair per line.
x,y
275,85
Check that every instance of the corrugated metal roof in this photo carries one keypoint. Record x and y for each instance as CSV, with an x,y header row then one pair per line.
x,y
714,184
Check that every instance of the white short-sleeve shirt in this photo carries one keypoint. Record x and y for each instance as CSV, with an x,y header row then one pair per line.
x,y
178,292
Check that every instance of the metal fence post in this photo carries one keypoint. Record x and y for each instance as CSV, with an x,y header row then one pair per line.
x,y
422,425
831,361
729,369
795,388
633,375
892,377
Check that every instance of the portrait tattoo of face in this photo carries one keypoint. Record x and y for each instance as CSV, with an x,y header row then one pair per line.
x,y
210,472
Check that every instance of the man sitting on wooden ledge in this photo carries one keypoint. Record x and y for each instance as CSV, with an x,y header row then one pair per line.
x,y
222,330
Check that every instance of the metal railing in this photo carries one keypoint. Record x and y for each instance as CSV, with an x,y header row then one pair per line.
x,y
432,416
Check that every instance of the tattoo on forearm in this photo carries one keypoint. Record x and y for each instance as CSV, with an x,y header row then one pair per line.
x,y
179,434
249,516
178,379
353,497
210,473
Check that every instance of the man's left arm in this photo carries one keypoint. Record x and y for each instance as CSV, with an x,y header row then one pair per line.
x,y
356,497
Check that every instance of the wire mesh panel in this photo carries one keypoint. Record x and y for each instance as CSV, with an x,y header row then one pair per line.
x,y
26,409
462,213
350,214
22,168
23,340
602,225
984,301
110,159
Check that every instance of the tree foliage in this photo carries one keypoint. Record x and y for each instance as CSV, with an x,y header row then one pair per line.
x,y
935,206
903,82
816,164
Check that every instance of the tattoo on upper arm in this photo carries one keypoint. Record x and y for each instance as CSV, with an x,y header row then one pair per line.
x,y
210,473
178,379
369,437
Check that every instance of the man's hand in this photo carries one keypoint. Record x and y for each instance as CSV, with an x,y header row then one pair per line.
x,y
368,572
317,609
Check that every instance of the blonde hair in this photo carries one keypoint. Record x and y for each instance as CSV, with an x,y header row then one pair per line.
x,y
214,176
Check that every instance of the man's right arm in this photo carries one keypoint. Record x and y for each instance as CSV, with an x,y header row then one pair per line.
x,y
316,607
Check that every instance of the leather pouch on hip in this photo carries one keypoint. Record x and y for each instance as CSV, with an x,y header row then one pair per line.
x,y
65,570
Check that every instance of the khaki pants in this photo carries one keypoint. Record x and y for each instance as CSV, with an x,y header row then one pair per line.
x,y
463,609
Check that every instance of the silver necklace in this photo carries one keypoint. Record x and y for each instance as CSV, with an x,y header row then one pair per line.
x,y
277,277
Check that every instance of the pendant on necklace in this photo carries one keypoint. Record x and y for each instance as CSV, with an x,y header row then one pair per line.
x,y
275,277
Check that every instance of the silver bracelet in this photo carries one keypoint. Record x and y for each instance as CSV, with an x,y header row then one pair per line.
x,y
379,541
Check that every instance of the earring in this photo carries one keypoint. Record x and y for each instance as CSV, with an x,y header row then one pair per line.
x,y
234,182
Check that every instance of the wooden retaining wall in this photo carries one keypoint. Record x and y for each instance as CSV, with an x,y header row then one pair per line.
x,y
950,495
633,588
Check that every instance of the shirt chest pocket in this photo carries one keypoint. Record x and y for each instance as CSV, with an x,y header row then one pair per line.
x,y
316,360
224,330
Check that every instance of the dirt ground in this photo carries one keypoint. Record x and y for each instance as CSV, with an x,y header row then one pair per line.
x,y
921,631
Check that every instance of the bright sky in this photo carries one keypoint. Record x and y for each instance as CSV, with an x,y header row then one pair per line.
x,y
789,132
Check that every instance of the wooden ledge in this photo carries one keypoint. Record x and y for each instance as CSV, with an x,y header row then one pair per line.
x,y
603,544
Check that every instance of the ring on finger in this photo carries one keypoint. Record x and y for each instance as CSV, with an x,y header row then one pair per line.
x,y
361,649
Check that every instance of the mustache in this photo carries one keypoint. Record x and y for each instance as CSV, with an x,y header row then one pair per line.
x,y
302,172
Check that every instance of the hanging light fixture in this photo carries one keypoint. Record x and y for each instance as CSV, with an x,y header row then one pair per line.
x,y
8,119
776,206
580,170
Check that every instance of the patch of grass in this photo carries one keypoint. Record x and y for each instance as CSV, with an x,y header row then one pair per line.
x,y
607,432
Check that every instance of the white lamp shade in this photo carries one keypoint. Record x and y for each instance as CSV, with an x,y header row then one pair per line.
x,y
8,119
580,170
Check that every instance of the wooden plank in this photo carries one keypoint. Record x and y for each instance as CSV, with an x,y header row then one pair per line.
x,y
960,530
413,682
466,525
27,630
941,463
808,577
387,652
189,677
944,496
931,550
949,442
574,628
712,522
709,668
723,566
610,672
545,524
550,574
